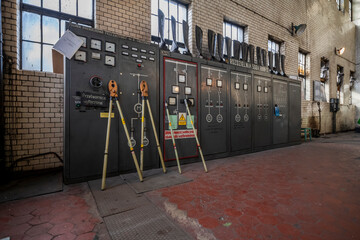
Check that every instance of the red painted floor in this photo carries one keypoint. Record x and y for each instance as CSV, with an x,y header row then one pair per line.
x,y
67,215
309,191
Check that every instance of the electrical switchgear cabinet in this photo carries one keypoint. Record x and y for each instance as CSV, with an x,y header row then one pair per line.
x,y
104,57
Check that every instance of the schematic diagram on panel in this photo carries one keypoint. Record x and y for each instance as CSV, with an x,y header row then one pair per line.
x,y
138,107
241,103
266,105
209,104
262,89
259,105
238,100
219,103
214,85
241,89
213,109
246,103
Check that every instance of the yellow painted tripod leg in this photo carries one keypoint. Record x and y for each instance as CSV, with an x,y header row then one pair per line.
x,y
106,153
197,140
129,142
142,135
172,137
156,136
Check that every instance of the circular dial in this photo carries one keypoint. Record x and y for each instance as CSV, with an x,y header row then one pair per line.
x,y
96,82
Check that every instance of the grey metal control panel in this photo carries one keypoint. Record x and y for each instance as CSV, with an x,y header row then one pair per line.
x,y
138,62
241,110
294,112
262,111
179,82
104,57
213,120
281,114
86,107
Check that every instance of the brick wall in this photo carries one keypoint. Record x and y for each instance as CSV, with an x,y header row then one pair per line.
x,y
329,28
33,104
125,17
34,100
261,18
356,91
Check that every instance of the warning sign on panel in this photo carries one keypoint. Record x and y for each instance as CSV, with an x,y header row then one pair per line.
x,y
182,118
179,134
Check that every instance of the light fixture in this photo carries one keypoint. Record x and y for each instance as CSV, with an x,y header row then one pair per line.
x,y
175,89
297,30
187,90
339,51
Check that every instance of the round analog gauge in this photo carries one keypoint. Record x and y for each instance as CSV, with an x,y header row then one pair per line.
x,y
96,82
110,47
95,44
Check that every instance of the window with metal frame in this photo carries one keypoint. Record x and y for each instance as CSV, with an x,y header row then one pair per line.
x,y
43,23
302,75
235,32
340,83
350,10
340,5
351,86
324,76
274,47
169,8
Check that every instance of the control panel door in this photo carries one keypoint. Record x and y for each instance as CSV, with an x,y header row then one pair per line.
x,y
138,62
213,110
179,82
280,112
295,112
262,111
240,105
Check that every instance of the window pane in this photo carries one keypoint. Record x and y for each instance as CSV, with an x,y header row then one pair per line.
x,y
50,30
173,9
166,31
182,13
240,35
164,7
33,2
224,24
269,45
154,26
228,30
68,6
31,26
31,56
234,32
62,27
170,31
180,37
51,4
85,8
154,6
47,58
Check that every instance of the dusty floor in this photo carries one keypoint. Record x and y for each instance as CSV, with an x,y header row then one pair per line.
x,y
308,191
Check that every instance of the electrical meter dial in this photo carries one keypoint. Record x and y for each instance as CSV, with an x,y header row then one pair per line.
x,y
96,82
80,56
110,47
95,44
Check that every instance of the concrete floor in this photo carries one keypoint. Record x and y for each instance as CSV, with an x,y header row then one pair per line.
x,y
308,191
